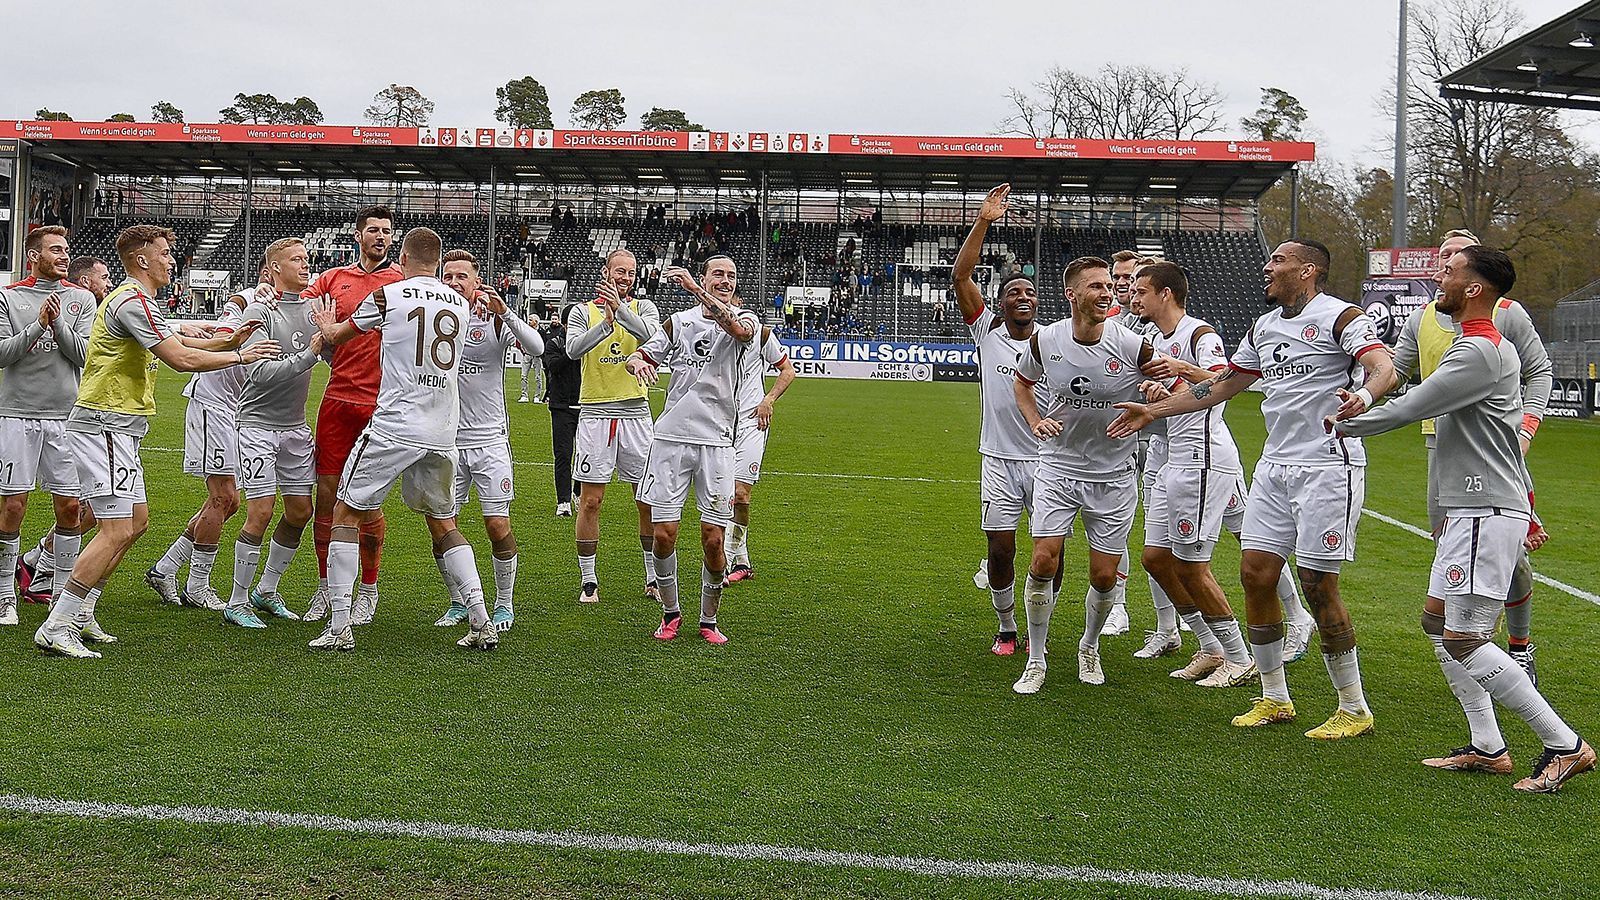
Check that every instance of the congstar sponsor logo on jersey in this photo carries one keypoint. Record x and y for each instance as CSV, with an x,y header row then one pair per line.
x,y
1081,395
1283,364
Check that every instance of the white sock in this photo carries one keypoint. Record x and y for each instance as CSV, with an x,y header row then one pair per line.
x,y
10,546
1202,632
64,612
1500,675
176,555
201,562
710,595
505,580
450,586
1345,673
44,557
1005,605
85,613
734,544
666,568
1096,607
278,559
1294,612
1041,602
1119,592
1166,612
344,561
1474,700
1274,680
462,565
1226,631
62,561
647,553
246,559
586,569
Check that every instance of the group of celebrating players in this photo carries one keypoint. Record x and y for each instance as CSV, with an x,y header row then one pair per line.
x,y
415,395
1063,402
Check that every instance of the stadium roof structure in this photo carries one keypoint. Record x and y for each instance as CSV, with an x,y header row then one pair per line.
x,y
1555,65
1225,170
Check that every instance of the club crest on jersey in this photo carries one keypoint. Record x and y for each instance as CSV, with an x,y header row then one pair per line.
x,y
1310,332
1455,576
1173,350
755,468
1233,502
74,308
505,485
1332,540
1185,528
1113,366
475,335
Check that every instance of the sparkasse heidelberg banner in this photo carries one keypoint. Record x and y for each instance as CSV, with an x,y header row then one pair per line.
x,y
535,140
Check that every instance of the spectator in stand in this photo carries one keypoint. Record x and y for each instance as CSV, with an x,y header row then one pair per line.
x,y
555,215
569,221
942,306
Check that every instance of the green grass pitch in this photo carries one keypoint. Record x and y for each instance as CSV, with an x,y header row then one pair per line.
x,y
856,708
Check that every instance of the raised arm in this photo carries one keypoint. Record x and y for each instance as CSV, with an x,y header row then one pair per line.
x,y
1219,388
1355,333
580,337
644,323
184,358
526,335
325,315
15,344
968,296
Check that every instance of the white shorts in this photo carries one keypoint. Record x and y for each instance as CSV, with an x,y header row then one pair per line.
x,y
1238,502
34,453
210,441
1152,459
673,467
427,477
110,474
1107,508
749,446
1005,490
489,468
1309,512
611,446
1184,511
1476,554
274,461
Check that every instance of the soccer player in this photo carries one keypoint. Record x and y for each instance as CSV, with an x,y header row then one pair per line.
x,y
36,569
531,363
614,427
750,440
483,443
1306,495
694,438
1007,446
412,435
211,451
1188,499
44,330
1478,478
1089,364
1423,341
348,403
116,399
276,450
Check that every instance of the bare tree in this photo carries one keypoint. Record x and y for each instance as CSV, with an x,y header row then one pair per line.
x,y
1116,103
1491,167
400,105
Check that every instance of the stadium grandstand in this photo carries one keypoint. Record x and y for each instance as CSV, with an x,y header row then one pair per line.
x,y
840,236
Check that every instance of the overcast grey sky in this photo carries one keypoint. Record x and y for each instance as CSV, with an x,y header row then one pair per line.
x,y
933,67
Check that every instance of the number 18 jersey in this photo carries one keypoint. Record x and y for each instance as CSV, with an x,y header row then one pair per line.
x,y
423,323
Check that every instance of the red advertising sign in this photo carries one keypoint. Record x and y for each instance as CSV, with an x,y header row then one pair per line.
x,y
1408,262
666,141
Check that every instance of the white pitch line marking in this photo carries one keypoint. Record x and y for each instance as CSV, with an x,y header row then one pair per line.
x,y
610,843
1545,580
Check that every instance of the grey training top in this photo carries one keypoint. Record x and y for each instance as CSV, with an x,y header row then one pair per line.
x,y
42,366
1475,400
275,390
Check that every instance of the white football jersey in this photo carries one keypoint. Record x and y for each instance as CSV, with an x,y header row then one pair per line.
x,y
424,326
1199,440
220,388
1085,380
702,400
482,382
1004,433
1301,365
753,376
